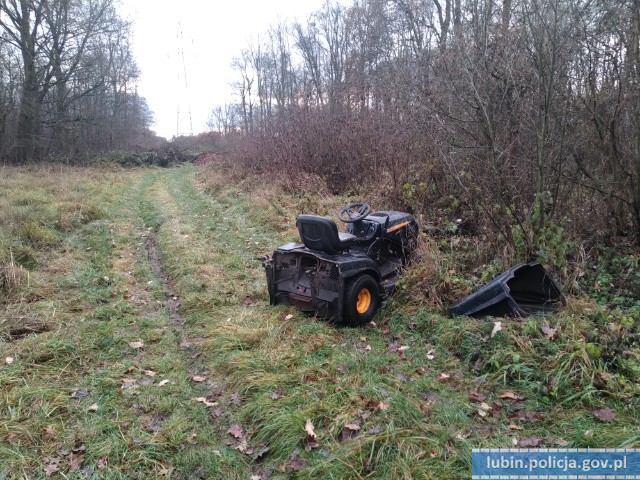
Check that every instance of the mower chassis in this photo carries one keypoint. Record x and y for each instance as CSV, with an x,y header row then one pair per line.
x,y
315,281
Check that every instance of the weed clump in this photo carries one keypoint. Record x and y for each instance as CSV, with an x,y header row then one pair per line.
x,y
36,234
12,278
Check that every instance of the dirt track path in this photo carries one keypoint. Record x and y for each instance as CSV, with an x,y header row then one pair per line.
x,y
202,255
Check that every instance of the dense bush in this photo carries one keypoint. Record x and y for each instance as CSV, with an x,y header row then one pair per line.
x,y
514,124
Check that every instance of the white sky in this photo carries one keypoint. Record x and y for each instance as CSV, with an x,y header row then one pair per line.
x,y
213,32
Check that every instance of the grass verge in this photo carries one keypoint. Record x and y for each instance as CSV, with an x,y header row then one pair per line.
x,y
141,345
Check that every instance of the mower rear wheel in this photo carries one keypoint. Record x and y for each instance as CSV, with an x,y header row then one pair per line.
x,y
361,300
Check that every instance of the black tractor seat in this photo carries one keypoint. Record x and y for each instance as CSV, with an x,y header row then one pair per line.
x,y
321,233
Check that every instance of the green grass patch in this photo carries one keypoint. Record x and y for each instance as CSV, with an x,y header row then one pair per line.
x,y
142,345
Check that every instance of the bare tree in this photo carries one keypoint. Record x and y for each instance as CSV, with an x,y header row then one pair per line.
x,y
526,112
74,70
223,119
244,89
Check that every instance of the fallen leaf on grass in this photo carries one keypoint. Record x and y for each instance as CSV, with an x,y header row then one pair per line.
x,y
102,463
549,332
526,416
80,448
206,402
310,443
136,345
163,383
249,301
161,469
153,423
513,426
476,397
604,414
430,355
496,409
93,407
236,430
10,437
199,378
48,434
258,453
276,395
128,383
363,415
349,431
310,378
236,399
429,398
511,396
377,405
88,472
79,394
242,447
296,463
484,409
262,475
497,326
149,373
309,429
75,461
288,317
531,442
404,348
443,377
8,360
50,469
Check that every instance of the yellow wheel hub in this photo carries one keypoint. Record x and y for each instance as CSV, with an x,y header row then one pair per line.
x,y
364,300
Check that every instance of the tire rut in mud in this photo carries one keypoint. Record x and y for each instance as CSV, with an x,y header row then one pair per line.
x,y
153,257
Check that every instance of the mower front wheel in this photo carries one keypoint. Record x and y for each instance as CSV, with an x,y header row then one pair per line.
x,y
361,300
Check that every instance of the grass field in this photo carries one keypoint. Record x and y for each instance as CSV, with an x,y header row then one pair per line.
x,y
137,342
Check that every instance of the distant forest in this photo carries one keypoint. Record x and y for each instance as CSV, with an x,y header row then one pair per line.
x,y
522,116
67,80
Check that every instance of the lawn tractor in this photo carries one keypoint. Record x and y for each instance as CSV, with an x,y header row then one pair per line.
x,y
342,276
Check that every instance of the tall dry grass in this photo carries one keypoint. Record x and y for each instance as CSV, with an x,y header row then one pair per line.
x,y
39,206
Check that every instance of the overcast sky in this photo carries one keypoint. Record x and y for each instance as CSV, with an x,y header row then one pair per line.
x,y
210,33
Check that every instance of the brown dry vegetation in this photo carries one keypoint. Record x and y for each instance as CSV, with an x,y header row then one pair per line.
x,y
511,124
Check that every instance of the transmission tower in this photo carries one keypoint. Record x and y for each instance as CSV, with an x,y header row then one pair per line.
x,y
184,124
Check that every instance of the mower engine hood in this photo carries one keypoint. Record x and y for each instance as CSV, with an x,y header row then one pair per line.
x,y
521,290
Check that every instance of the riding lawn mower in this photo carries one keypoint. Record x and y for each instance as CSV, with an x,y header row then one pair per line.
x,y
342,276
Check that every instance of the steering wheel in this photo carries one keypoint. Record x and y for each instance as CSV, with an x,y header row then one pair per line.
x,y
354,212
